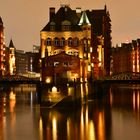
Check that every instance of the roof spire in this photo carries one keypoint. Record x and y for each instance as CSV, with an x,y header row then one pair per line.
x,y
11,45
84,19
105,7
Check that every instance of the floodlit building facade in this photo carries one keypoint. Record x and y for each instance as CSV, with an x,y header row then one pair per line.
x,y
12,59
75,44
2,48
126,58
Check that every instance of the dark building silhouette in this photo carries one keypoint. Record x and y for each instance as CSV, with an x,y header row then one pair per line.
x,y
33,61
21,62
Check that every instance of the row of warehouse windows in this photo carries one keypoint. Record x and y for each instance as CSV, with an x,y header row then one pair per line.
x,y
70,42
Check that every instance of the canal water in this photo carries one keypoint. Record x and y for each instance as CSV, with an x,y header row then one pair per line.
x,y
111,113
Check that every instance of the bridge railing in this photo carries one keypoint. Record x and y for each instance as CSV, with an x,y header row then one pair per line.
x,y
125,76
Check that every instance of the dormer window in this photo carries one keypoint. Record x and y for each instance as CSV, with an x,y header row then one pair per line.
x,y
52,26
66,25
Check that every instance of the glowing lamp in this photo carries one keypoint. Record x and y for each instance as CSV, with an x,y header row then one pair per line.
x,y
54,89
48,80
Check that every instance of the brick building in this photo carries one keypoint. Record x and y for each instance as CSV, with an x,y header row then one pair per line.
x,y
2,48
10,59
126,59
82,35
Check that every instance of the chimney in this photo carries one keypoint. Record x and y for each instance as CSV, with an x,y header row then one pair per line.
x,y
78,11
52,13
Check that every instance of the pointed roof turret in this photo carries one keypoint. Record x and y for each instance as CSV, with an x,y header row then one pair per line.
x,y
11,45
1,22
84,19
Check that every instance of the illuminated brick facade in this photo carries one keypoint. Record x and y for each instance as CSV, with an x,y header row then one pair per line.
x,y
63,65
126,58
12,59
83,36
2,49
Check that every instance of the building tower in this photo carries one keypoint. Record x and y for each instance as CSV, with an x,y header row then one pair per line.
x,y
12,66
100,41
2,49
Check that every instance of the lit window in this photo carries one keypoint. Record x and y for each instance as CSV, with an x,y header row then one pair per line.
x,y
56,64
62,42
48,42
70,42
88,41
85,55
56,42
73,52
91,50
85,41
75,42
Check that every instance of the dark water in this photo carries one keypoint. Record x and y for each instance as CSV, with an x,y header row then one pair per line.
x,y
112,114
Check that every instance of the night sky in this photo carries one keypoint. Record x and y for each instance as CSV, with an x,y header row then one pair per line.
x,y
24,19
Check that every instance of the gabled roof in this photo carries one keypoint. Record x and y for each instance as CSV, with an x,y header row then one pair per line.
x,y
95,18
62,55
65,13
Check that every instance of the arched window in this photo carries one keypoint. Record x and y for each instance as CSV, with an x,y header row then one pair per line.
x,y
89,41
70,42
56,41
48,42
85,41
85,44
62,42
73,52
75,42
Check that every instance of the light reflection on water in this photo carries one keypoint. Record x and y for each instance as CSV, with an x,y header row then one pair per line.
x,y
109,116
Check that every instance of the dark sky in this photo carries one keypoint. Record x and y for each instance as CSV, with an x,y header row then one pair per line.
x,y
23,19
